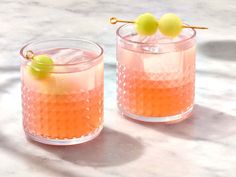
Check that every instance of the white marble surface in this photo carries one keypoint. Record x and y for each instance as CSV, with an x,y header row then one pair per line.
x,y
203,146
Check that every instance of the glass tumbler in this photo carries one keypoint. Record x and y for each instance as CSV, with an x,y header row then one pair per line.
x,y
155,75
64,107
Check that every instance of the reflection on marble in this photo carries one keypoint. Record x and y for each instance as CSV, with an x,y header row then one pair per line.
x,y
201,146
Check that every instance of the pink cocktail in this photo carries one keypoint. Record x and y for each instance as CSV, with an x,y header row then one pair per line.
x,y
65,107
156,75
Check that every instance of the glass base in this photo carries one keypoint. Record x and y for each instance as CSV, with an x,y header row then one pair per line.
x,y
169,119
63,142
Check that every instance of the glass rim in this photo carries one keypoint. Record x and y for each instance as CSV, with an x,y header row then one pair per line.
x,y
100,53
154,43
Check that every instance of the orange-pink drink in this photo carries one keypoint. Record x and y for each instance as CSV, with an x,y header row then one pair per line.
x,y
155,75
66,107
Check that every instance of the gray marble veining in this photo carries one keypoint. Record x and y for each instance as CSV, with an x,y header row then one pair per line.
x,y
204,145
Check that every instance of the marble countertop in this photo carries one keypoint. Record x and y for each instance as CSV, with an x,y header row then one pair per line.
x,y
204,145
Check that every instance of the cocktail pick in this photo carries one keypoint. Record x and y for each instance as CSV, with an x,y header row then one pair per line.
x,y
114,20
147,24
29,55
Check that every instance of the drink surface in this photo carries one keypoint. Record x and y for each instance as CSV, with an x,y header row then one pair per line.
x,y
68,103
154,83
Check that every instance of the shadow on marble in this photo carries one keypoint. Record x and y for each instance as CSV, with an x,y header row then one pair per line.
x,y
111,66
4,69
43,163
205,124
219,49
218,74
8,83
110,148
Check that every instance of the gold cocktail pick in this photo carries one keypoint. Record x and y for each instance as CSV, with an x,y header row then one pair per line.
x,y
114,20
29,55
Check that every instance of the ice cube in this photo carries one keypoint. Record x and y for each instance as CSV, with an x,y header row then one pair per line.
x,y
163,63
83,80
68,56
130,59
66,83
136,38
151,49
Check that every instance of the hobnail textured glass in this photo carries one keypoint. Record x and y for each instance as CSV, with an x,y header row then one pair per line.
x,y
66,107
139,95
44,115
151,89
